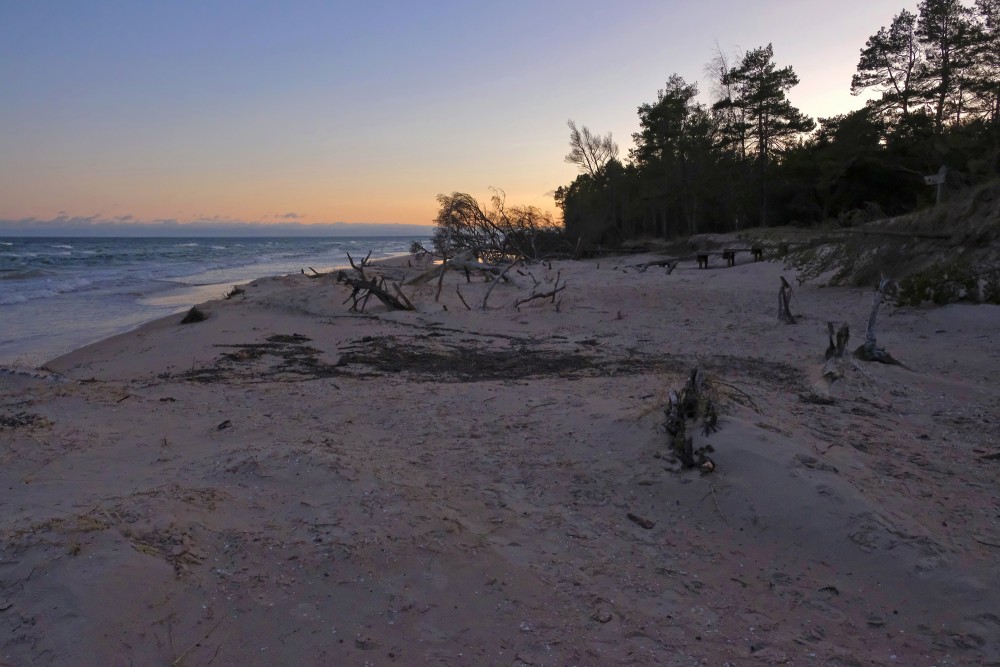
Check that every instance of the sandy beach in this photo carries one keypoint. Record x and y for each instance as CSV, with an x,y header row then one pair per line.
x,y
291,483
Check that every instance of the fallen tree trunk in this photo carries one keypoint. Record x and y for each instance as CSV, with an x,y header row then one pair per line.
x,y
465,261
433,272
364,287
671,264
556,288
490,269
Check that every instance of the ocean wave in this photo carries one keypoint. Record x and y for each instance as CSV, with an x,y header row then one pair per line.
x,y
25,275
118,266
47,289
62,246
11,299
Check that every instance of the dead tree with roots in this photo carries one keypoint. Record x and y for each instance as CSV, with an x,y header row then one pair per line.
x,y
870,351
364,287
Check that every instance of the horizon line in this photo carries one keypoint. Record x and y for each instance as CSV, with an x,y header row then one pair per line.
x,y
128,226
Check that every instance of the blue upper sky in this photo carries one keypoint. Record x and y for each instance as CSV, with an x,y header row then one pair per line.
x,y
357,111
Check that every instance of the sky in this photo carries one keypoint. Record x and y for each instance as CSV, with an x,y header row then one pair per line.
x,y
224,112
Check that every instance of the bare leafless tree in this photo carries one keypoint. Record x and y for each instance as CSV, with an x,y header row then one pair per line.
x,y
733,122
590,152
491,234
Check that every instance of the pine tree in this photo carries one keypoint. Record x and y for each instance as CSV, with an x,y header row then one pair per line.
x,y
759,90
946,32
889,64
986,74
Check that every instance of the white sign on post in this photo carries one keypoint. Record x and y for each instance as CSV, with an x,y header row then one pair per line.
x,y
938,179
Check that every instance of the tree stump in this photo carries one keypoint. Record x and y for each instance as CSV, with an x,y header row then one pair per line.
x,y
838,342
784,296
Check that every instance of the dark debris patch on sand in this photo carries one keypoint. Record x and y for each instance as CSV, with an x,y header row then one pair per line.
x,y
15,420
441,357
465,361
281,358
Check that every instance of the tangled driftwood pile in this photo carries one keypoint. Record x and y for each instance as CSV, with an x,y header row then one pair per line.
x,y
692,408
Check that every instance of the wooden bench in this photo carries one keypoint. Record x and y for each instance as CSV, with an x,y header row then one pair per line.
x,y
730,256
702,260
758,253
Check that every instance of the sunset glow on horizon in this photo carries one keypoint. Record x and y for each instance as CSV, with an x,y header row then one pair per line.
x,y
344,112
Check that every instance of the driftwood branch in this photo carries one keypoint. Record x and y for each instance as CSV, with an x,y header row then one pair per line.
x,y
466,262
838,341
742,394
365,287
502,276
418,249
784,296
715,500
433,272
870,351
402,297
488,269
426,276
551,294
462,298
444,269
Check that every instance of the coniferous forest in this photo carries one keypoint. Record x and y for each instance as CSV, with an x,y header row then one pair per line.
x,y
748,157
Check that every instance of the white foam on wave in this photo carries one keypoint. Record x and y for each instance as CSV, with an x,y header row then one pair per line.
x,y
101,281
47,289
10,299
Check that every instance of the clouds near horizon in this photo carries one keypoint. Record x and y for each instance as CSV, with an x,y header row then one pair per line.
x,y
128,225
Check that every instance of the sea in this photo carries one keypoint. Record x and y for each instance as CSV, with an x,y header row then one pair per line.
x,y
59,294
